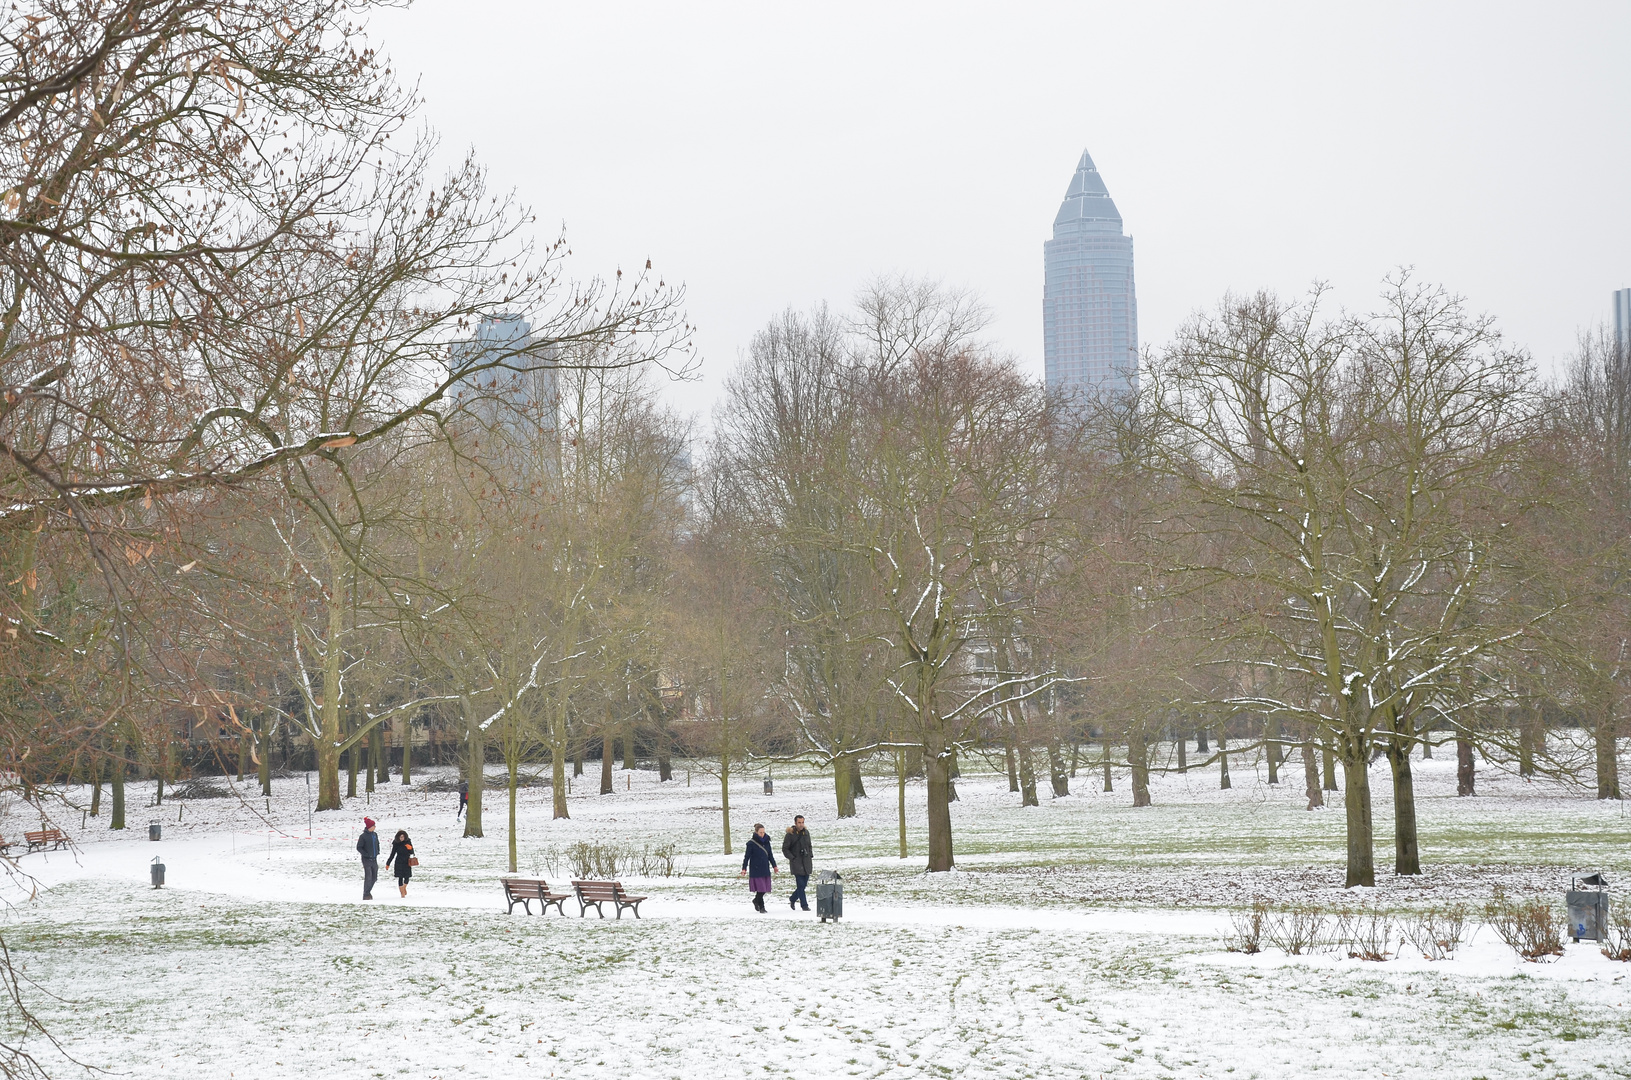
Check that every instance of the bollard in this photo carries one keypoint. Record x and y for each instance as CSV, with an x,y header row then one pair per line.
x,y
158,873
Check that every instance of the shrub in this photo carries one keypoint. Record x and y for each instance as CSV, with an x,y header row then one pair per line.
x,y
597,859
1618,945
1367,933
1298,929
1249,927
199,787
1531,928
1436,931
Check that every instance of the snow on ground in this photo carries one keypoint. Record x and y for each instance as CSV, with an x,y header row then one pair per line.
x,y
1079,938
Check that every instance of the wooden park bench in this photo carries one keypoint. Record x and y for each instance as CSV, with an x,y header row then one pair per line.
x,y
524,891
605,892
5,845
45,838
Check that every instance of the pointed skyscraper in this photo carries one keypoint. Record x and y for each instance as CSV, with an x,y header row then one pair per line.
x,y
1089,306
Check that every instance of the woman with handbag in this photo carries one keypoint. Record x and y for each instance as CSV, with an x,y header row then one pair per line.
x,y
402,860
757,865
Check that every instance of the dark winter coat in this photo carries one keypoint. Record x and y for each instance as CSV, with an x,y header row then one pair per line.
x,y
758,860
368,845
796,849
401,852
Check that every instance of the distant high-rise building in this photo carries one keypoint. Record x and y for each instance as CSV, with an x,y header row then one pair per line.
x,y
518,388
1089,307
1622,318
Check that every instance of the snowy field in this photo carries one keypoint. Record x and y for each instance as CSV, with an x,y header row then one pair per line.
x,y
1081,938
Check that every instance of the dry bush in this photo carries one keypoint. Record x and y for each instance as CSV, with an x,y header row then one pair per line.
x,y
1531,928
1436,931
1297,930
1618,945
1367,933
1249,928
600,860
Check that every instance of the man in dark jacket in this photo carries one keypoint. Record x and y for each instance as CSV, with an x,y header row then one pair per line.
x,y
368,848
796,847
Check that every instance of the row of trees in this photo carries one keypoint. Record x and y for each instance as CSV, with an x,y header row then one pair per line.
x,y
270,465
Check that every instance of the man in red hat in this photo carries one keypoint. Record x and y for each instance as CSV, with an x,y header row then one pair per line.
x,y
368,848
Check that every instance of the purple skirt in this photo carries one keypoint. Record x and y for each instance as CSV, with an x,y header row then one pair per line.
x,y
760,884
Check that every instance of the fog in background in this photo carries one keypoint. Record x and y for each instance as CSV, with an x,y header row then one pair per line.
x,y
775,154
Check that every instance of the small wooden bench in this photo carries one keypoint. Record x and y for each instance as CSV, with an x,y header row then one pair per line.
x,y
5,845
605,892
524,891
45,838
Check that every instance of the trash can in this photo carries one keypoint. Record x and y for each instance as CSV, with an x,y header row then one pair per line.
x,y
158,873
830,896
770,786
154,830
1587,902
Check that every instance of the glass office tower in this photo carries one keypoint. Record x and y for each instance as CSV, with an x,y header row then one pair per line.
x,y
1089,309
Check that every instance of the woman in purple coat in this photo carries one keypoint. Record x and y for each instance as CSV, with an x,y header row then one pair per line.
x,y
758,863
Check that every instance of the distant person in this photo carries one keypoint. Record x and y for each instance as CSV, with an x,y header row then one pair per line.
x,y
464,801
758,862
796,849
368,848
402,860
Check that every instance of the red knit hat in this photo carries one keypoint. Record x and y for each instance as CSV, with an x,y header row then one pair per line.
x,y
368,823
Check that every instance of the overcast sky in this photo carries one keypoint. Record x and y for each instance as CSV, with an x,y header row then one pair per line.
x,y
773,154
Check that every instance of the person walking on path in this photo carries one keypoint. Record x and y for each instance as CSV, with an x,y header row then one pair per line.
x,y
758,863
464,801
368,848
796,850
402,860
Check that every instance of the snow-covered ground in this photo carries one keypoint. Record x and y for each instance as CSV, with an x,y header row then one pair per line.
x,y
1078,938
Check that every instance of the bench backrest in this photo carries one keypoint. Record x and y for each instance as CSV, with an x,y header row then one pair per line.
x,y
597,890
44,834
530,887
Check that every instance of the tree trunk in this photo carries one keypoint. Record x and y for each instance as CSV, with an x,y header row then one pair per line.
x,y
1526,740
900,797
608,747
328,740
475,764
1008,755
725,791
952,773
1200,741
1406,848
938,768
1183,747
1329,752
1105,753
665,762
514,763
370,760
116,782
407,751
577,760
1311,775
559,737
1138,758
1356,781
1427,744
1056,768
1608,756
381,753
1466,776
351,768
841,786
1271,740
265,765
243,755
1223,758
857,783
1027,777
96,789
